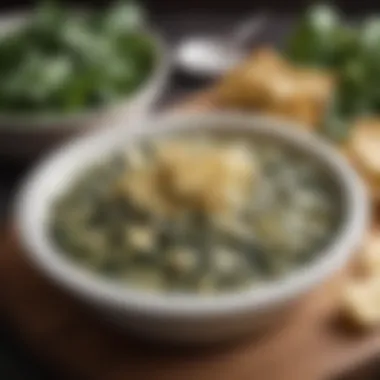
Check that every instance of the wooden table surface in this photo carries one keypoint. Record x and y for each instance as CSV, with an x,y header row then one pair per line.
x,y
311,344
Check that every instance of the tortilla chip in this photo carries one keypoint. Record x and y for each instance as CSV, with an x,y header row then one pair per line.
x,y
266,82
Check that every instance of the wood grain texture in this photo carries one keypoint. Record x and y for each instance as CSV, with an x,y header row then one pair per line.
x,y
311,344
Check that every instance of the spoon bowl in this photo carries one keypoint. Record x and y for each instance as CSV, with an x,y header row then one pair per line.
x,y
207,56
212,56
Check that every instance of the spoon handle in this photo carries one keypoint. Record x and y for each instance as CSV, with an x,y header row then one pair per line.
x,y
248,29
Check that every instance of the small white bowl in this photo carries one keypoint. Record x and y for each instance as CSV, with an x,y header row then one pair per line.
x,y
30,134
185,318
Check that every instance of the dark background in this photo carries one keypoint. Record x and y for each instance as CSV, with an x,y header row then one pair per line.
x,y
215,5
220,6
238,5
175,19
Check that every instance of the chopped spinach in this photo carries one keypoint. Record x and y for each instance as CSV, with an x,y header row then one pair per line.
x,y
323,39
63,60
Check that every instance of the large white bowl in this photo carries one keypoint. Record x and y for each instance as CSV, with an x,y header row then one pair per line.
x,y
29,135
186,318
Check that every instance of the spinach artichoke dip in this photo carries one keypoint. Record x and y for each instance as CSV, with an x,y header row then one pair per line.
x,y
197,214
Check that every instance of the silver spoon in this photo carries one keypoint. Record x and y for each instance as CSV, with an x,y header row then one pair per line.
x,y
209,56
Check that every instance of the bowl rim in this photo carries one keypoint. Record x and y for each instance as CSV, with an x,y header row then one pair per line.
x,y
91,287
16,121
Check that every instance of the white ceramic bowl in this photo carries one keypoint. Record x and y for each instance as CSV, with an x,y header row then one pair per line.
x,y
29,135
185,318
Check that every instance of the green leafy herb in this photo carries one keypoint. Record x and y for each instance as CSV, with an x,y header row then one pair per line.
x,y
64,61
322,39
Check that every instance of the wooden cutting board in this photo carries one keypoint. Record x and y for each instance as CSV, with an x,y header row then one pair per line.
x,y
311,344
